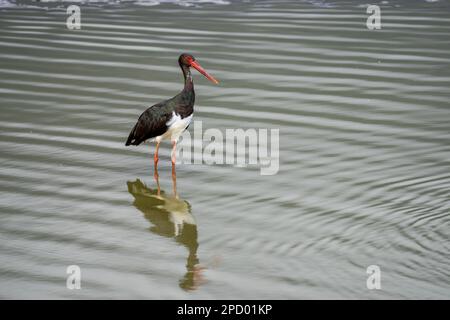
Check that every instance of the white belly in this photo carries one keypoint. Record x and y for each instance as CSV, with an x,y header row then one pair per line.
x,y
176,127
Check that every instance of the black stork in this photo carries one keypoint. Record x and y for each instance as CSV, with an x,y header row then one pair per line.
x,y
168,119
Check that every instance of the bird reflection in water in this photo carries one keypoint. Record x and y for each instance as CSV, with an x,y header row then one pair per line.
x,y
170,217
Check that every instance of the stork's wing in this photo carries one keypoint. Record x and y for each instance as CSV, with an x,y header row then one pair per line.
x,y
151,123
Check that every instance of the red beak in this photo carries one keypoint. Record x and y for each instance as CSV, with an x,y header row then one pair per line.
x,y
199,68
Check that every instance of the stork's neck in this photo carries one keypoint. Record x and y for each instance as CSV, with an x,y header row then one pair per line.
x,y
187,95
188,83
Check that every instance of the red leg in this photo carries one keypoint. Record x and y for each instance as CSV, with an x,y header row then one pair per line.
x,y
174,173
156,158
156,176
174,181
174,152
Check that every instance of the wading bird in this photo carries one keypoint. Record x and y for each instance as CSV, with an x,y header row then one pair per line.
x,y
168,119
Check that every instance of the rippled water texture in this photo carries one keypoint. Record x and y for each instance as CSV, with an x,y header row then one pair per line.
x,y
364,173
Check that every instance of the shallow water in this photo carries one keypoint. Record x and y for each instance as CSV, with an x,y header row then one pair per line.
x,y
364,151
